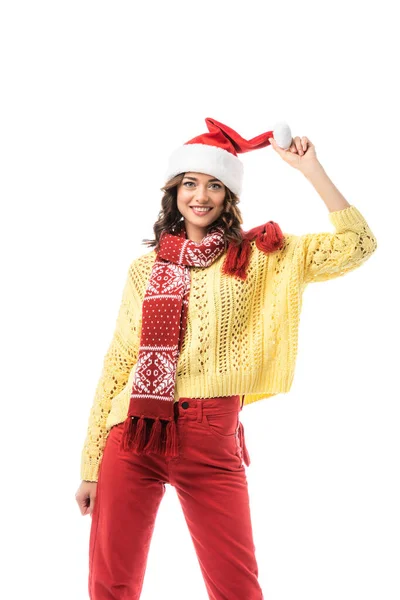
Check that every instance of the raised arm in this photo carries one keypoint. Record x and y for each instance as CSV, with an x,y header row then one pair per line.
x,y
325,256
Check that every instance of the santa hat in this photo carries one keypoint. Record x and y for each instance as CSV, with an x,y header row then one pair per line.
x,y
215,152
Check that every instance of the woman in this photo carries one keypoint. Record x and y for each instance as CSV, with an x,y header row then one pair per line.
x,y
208,323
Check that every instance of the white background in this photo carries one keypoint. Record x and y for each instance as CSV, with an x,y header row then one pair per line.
x,y
94,97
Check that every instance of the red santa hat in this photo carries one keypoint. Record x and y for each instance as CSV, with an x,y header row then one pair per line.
x,y
215,153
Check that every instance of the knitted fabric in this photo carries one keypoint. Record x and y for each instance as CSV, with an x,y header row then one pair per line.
x,y
150,425
241,335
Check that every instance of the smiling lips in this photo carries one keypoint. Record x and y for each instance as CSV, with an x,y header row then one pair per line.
x,y
200,211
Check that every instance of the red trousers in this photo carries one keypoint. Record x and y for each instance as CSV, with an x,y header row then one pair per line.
x,y
210,480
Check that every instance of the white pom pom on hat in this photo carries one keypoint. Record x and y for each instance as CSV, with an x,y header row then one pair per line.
x,y
215,152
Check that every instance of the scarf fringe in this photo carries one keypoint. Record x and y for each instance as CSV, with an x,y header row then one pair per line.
x,y
163,438
154,444
139,441
269,238
237,259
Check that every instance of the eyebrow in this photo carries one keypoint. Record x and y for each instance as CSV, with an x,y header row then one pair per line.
x,y
195,179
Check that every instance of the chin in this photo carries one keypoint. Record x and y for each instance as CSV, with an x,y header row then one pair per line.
x,y
201,225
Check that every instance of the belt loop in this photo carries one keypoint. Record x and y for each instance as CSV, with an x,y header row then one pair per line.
x,y
199,410
241,403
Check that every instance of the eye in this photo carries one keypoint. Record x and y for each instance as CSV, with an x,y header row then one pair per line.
x,y
219,186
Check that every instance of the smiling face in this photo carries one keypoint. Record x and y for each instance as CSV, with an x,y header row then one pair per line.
x,y
203,191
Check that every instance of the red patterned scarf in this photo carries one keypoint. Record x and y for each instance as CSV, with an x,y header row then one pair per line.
x,y
150,425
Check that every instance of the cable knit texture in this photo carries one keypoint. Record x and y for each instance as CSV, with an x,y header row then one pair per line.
x,y
241,335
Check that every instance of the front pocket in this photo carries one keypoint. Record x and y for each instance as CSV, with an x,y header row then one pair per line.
x,y
224,424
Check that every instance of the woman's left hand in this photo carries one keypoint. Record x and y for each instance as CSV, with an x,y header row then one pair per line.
x,y
301,155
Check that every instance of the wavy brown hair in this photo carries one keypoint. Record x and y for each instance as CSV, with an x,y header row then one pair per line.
x,y
171,220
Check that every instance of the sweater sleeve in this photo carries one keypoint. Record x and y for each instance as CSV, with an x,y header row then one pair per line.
x,y
329,255
121,355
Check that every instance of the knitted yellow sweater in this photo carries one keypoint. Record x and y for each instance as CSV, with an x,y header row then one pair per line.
x,y
241,336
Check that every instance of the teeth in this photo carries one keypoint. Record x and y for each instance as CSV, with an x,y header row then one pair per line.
x,y
200,209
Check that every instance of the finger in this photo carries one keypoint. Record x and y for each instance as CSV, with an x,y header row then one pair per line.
x,y
298,145
274,145
84,509
304,142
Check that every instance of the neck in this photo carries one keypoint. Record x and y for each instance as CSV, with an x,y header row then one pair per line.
x,y
194,233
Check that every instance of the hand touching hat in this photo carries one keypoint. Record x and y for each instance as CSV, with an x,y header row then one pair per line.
x,y
300,155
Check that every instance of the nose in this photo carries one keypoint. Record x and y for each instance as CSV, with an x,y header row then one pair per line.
x,y
201,194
